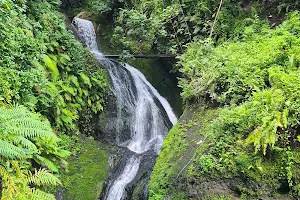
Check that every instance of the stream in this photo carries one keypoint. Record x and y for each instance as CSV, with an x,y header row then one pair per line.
x,y
141,111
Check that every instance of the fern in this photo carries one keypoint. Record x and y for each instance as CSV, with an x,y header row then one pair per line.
x,y
45,162
62,153
42,177
263,137
27,122
31,132
26,143
23,136
37,194
10,151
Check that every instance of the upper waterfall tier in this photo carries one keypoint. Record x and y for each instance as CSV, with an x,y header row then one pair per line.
x,y
87,32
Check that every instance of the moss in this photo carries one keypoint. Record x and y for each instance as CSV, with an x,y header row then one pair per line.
x,y
172,150
139,190
229,158
198,161
178,148
87,171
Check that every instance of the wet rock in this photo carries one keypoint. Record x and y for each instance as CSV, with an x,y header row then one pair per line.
x,y
105,122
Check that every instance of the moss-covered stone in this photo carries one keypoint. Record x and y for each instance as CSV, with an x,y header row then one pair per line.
x,y
177,151
87,171
197,162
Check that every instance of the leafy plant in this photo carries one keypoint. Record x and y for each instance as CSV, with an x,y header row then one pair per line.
x,y
230,72
254,140
23,137
43,68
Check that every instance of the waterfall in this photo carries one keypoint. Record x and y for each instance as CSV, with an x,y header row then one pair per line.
x,y
140,109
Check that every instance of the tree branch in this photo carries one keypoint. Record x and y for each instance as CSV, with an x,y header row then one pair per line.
x,y
213,26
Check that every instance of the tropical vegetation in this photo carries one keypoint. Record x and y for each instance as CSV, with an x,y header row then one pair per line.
x,y
47,81
253,136
237,64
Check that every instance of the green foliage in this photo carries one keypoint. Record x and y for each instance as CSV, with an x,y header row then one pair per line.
x,y
287,5
94,7
167,26
141,31
25,136
261,71
51,65
43,68
99,6
254,141
207,163
230,72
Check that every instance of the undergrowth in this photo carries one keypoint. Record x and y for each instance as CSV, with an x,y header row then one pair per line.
x,y
43,68
254,140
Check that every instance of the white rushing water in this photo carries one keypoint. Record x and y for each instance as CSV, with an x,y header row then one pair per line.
x,y
87,32
128,174
140,109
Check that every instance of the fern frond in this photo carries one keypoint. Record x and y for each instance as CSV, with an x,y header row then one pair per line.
x,y
30,123
263,136
14,112
10,189
45,162
23,136
31,132
37,194
8,150
3,172
15,166
43,177
63,153
25,143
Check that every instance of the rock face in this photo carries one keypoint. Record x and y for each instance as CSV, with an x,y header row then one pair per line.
x,y
105,123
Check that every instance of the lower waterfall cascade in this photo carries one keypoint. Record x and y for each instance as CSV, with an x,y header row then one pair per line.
x,y
141,110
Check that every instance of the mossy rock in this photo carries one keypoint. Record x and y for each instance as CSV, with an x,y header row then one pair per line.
x,y
177,151
196,164
87,171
